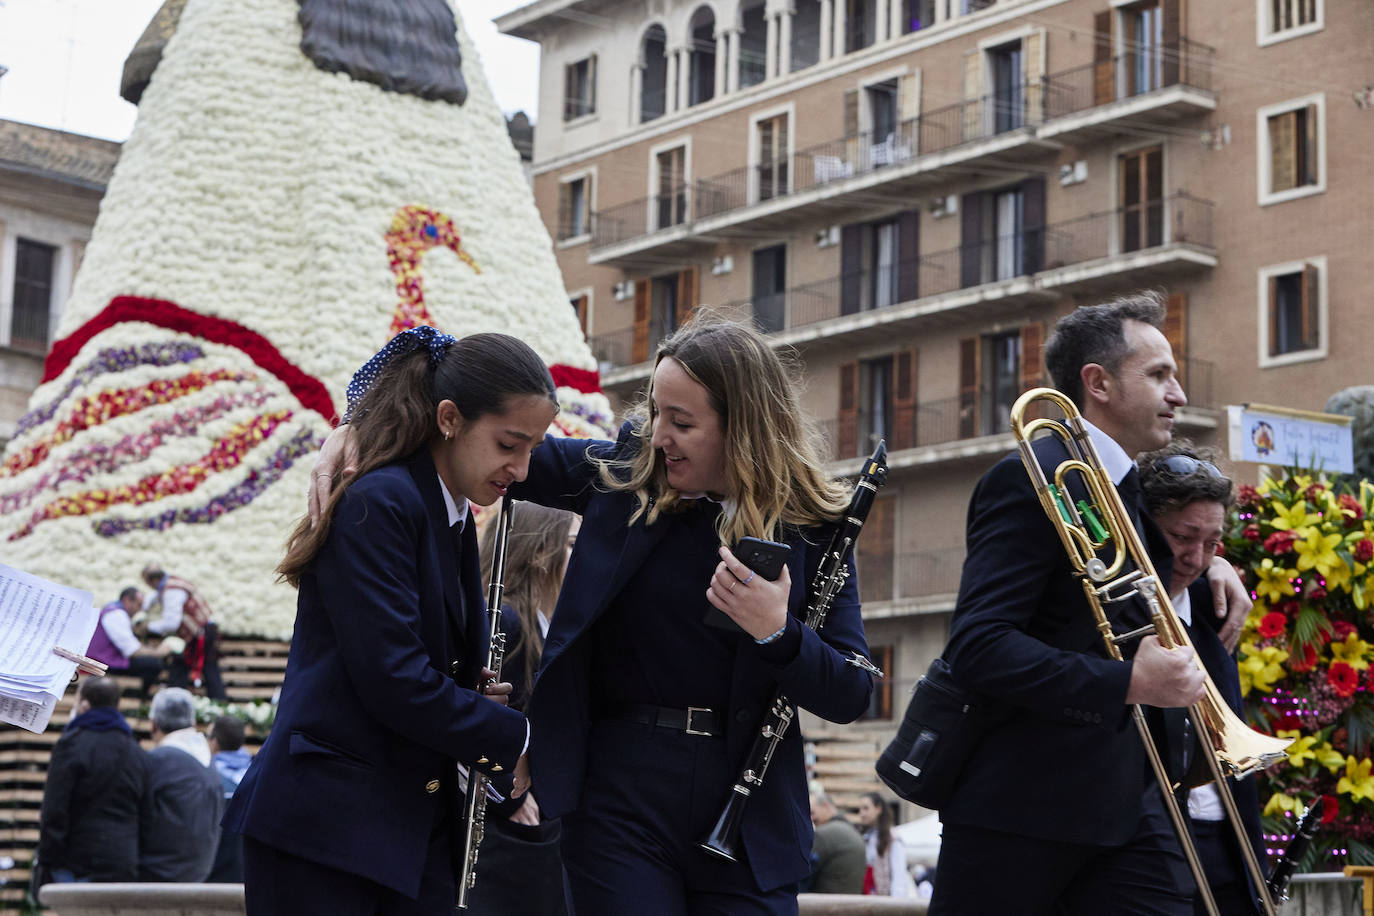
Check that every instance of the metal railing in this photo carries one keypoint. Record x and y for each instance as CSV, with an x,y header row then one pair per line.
x,y
1135,73
976,120
918,574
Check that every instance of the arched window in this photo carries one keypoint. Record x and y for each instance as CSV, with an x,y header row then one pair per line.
x,y
702,70
753,46
653,94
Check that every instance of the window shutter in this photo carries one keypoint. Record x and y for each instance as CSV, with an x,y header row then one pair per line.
x,y
1104,68
1273,315
565,209
909,102
1033,225
1283,161
1311,307
973,94
904,400
971,240
851,112
1173,65
1176,332
909,255
687,290
851,267
640,352
873,553
569,100
580,304
1032,343
1311,171
1032,59
847,431
766,154
968,387
591,84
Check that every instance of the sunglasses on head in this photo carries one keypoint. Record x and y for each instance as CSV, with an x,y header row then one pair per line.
x,y
1186,466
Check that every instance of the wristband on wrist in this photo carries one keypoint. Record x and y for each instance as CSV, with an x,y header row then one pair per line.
x,y
772,637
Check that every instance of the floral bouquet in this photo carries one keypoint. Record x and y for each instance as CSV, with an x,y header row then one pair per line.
x,y
1306,550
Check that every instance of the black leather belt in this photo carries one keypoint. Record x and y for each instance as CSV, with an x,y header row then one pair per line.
x,y
694,720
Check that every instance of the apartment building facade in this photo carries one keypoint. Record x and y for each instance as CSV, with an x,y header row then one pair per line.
x,y
51,183
908,193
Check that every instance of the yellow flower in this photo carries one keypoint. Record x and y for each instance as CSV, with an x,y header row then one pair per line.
x,y
1278,803
1328,756
1300,750
1357,783
1352,652
1274,584
1340,576
1293,517
1318,551
1260,668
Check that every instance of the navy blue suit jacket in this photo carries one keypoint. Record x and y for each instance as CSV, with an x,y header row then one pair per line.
x,y
777,829
370,722
1062,760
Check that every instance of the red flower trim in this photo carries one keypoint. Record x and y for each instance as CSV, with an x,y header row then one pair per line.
x,y
309,390
587,381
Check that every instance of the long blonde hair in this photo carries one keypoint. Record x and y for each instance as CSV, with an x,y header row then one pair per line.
x,y
773,467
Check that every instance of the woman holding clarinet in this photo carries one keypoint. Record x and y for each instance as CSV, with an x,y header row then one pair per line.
x,y
666,650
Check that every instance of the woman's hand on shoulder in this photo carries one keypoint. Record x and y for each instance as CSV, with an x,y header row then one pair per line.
x,y
338,456
750,600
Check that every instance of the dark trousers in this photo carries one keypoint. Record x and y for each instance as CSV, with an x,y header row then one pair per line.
x,y
631,847
990,873
147,668
1219,853
179,672
276,882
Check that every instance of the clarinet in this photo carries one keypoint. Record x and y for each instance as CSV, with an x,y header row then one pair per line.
x,y
475,805
831,576
1297,847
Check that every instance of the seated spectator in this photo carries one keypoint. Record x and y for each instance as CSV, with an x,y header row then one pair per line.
x,y
179,820
115,644
838,855
231,762
89,822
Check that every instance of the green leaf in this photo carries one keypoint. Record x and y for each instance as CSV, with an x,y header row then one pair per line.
x,y
1311,628
1359,727
1361,853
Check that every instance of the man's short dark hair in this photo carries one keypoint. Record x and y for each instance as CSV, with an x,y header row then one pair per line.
x,y
227,732
1095,334
100,691
1166,490
129,592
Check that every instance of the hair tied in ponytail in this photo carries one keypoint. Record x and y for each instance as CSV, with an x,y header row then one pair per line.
x,y
405,342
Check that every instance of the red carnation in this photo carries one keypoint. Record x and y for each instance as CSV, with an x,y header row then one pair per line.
x,y
1251,532
1247,495
1307,662
1317,593
1330,808
1272,625
1315,491
1280,542
1340,629
1339,737
1291,607
1343,679
1364,550
1351,508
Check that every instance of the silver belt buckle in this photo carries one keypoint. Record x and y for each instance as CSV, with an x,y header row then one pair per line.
x,y
692,711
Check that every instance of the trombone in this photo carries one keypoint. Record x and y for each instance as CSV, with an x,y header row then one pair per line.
x,y
1099,526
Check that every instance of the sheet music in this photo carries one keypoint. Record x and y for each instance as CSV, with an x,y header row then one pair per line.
x,y
36,615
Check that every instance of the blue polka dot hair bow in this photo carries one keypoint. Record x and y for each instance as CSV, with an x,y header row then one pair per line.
x,y
405,342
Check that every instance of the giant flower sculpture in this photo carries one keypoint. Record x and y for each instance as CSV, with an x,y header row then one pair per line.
x,y
1305,655
278,213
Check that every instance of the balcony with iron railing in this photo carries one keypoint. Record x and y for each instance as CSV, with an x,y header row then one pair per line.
x,y
909,578
1025,121
1130,246
971,419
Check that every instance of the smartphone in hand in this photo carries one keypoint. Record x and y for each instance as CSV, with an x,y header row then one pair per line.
x,y
764,557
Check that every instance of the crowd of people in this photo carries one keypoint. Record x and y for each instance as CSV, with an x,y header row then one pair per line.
x,y
642,651
115,812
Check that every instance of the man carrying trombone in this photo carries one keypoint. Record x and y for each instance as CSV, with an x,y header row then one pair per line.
x,y
1057,810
